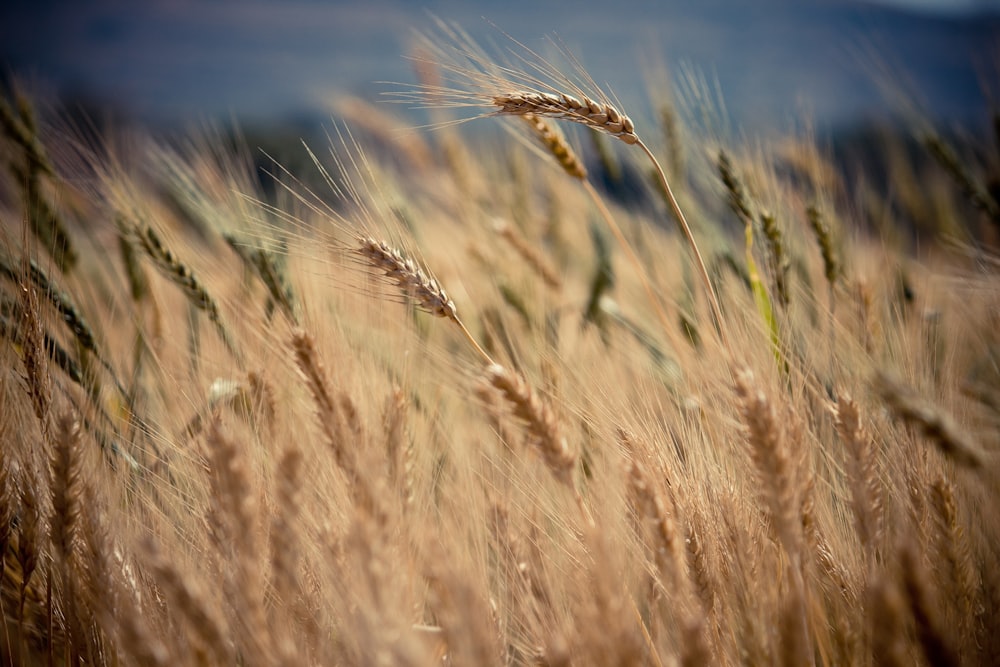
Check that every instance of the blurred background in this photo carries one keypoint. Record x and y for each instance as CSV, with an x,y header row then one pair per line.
x,y
168,63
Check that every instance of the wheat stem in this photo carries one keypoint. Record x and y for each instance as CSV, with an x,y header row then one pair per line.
x,y
679,214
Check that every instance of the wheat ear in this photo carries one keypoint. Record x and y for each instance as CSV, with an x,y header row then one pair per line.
x,y
866,494
529,253
415,284
557,145
776,464
936,424
596,115
182,276
542,425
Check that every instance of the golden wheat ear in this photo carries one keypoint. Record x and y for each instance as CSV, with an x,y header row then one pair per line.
x,y
414,283
542,425
596,115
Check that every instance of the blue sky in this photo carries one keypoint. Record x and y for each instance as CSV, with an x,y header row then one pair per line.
x,y
182,60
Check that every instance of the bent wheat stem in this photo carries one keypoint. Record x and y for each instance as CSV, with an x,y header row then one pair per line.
x,y
713,300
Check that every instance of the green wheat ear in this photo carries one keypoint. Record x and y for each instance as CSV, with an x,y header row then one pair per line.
x,y
762,301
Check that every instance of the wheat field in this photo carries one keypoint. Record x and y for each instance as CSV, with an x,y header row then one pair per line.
x,y
473,397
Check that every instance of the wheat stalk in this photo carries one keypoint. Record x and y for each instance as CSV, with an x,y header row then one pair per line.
x,y
866,494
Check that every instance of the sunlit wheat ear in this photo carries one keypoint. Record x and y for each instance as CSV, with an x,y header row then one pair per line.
x,y
539,420
600,116
414,283
557,145
542,425
409,277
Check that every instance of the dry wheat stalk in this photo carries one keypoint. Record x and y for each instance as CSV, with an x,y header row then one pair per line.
x,y
783,494
542,425
704,580
283,535
399,445
66,486
34,357
340,423
955,552
773,459
285,548
649,503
